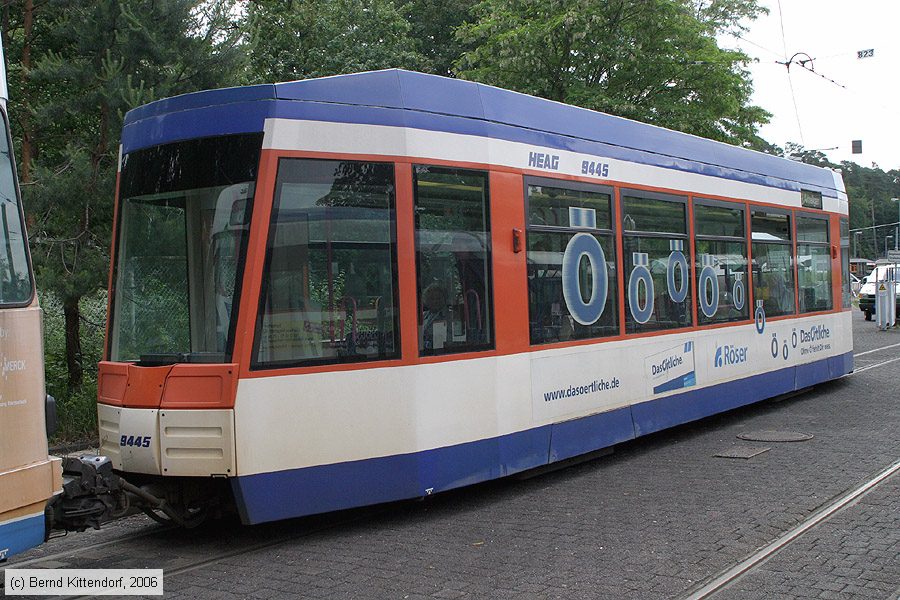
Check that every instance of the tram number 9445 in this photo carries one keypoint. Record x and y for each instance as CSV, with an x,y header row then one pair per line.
x,y
598,169
137,442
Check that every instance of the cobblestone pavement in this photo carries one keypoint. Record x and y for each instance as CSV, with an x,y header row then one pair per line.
x,y
653,520
855,554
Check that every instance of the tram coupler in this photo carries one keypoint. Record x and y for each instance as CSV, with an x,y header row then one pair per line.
x,y
92,494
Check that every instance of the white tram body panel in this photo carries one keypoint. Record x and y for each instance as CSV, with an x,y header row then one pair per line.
x,y
281,423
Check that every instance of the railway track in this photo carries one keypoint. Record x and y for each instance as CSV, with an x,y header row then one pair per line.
x,y
74,552
731,575
735,573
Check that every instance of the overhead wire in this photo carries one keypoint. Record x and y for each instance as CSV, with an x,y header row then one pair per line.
x,y
782,63
814,72
808,65
752,43
790,81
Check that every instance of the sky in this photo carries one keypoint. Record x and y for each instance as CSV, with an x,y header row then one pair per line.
x,y
819,114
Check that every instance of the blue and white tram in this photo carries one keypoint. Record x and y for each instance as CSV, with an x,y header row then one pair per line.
x,y
370,287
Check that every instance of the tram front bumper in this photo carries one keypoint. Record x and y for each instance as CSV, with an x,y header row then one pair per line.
x,y
170,442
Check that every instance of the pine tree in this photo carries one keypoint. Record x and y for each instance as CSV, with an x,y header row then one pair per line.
x,y
91,63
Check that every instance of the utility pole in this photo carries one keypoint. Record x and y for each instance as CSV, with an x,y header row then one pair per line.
x,y
897,229
874,243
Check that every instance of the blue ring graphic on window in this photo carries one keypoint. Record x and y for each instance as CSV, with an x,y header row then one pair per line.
x,y
738,295
640,274
581,245
677,259
708,282
760,316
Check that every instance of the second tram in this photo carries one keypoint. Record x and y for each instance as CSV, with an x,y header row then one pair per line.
x,y
29,477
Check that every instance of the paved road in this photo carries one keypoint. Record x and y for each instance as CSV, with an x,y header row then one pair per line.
x,y
653,520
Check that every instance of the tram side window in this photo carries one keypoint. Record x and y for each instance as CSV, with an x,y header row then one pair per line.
x,y
773,262
15,278
721,263
329,285
657,271
814,264
845,263
572,288
453,259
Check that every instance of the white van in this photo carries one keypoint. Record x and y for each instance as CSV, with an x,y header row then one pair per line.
x,y
867,291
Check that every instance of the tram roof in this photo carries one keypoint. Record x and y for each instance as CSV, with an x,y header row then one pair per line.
x,y
405,98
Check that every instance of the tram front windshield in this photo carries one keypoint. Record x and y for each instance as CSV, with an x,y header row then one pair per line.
x,y
15,278
184,216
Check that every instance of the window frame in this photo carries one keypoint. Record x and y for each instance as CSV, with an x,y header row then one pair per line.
x,y
628,323
792,243
844,241
255,364
730,205
826,218
119,233
612,232
489,261
22,221
772,210
649,195
745,211
575,186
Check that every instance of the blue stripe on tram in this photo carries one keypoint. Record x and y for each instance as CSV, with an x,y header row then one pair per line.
x,y
21,535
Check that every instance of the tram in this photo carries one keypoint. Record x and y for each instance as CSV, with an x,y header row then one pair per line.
x,y
370,287
29,477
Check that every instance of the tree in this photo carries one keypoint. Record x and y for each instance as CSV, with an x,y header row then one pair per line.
x,y
301,39
92,62
656,61
433,26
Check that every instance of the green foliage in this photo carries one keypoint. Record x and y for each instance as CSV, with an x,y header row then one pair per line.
x,y
70,223
656,61
75,69
870,190
77,410
433,25
301,39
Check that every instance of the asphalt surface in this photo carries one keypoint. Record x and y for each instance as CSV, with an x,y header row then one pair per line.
x,y
656,519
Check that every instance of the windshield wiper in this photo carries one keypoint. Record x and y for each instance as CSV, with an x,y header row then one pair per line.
x,y
173,358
